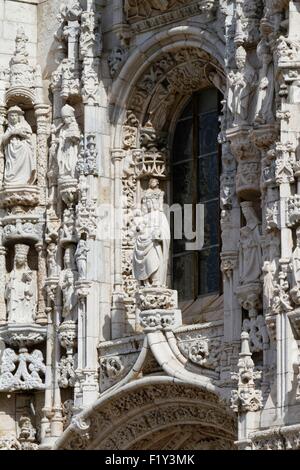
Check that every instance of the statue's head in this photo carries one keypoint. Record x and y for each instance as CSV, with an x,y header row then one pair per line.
x,y
67,114
153,183
14,115
240,57
21,253
69,258
249,212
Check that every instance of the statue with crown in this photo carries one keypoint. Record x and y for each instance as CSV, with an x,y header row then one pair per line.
x,y
20,160
21,289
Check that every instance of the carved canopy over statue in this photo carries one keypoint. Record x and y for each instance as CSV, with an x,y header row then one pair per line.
x,y
20,162
68,143
151,252
21,289
250,253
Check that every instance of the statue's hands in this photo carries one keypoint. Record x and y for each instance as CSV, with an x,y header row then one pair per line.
x,y
264,83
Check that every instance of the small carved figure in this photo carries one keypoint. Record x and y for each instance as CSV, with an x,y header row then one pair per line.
x,y
68,278
250,246
264,105
81,258
68,143
20,164
20,292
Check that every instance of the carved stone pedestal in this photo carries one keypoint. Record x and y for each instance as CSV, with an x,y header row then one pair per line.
x,y
19,196
68,189
249,297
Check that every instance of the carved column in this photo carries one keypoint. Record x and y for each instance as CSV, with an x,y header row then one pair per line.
x,y
118,310
2,162
42,118
42,274
2,285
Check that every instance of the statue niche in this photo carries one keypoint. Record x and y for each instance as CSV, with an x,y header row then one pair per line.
x,y
241,85
21,289
265,95
151,251
69,276
250,252
20,160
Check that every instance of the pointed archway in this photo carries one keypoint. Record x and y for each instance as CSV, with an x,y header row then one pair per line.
x,y
153,413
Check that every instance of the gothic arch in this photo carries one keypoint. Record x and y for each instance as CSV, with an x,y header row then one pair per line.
x,y
153,413
159,48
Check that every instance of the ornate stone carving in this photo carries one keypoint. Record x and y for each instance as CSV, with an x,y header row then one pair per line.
x,y
246,397
151,252
9,442
112,367
67,282
22,371
265,94
68,143
295,269
86,219
66,369
87,161
153,298
258,333
116,60
284,163
205,353
281,301
27,434
21,289
20,163
241,84
81,258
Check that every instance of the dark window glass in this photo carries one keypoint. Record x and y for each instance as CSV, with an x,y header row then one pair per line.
x,y
196,179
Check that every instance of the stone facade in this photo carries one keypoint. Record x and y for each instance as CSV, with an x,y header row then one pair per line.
x,y
96,351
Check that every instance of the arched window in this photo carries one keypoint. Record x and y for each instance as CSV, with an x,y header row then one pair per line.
x,y
196,179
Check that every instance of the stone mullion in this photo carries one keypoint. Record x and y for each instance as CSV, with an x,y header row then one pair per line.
x,y
42,275
2,285
2,161
42,117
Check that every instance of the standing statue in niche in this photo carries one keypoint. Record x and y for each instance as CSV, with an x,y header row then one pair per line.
x,y
68,143
81,258
250,250
270,270
20,162
241,85
21,291
151,252
68,278
264,105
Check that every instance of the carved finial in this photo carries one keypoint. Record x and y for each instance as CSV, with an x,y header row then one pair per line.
x,y
246,397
